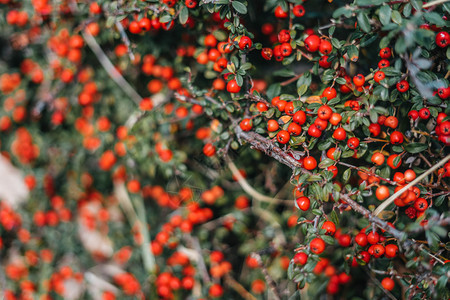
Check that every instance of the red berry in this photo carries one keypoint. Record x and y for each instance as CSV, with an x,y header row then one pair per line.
x,y
402,86
309,163
303,203
246,124
385,52
317,245
300,258
361,239
325,47
330,227
353,143
373,237
388,283
280,13
312,43
324,63
245,43
424,113
284,36
329,93
442,39
233,87
267,53
298,10
283,137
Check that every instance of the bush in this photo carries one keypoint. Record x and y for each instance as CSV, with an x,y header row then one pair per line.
x,y
224,149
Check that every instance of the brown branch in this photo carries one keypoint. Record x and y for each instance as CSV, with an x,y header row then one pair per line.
x,y
200,261
238,288
125,40
195,101
378,283
104,60
269,279
265,145
257,99
399,235
290,80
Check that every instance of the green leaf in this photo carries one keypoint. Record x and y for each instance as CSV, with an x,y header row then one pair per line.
x,y
336,44
342,11
246,66
434,18
415,147
341,80
417,4
442,282
396,17
317,212
334,217
302,90
326,163
369,2
273,90
353,53
346,175
284,73
363,22
328,239
239,80
385,14
373,116
407,10
184,15
433,240
290,270
165,18
239,7
439,200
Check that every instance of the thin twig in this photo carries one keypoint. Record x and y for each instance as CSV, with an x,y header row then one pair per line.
x,y
251,191
200,261
433,3
263,144
125,39
378,283
109,67
269,279
238,288
125,202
